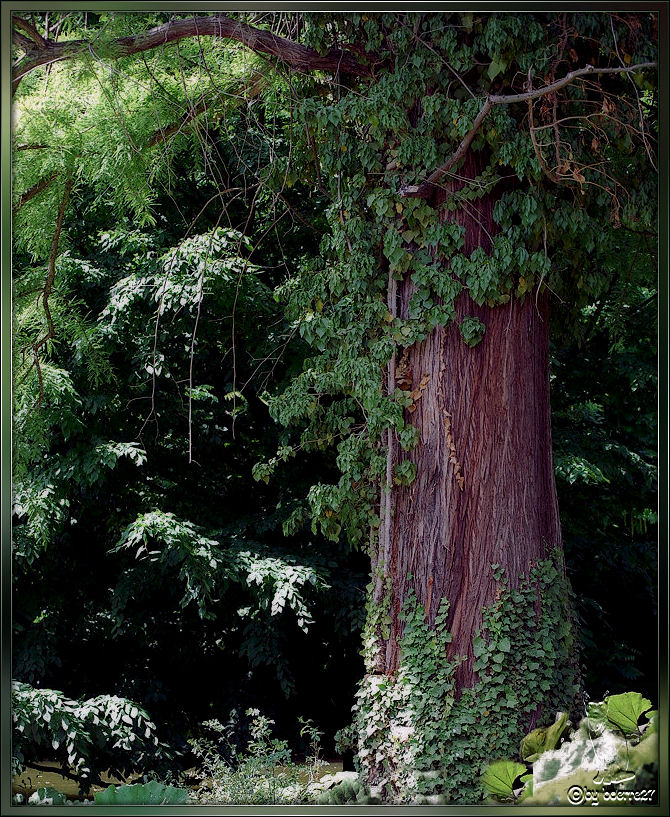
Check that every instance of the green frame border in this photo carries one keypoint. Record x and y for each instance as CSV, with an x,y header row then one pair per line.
x,y
6,9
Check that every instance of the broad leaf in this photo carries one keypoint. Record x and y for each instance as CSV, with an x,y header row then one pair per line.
x,y
624,711
496,67
47,796
541,740
499,778
152,793
527,780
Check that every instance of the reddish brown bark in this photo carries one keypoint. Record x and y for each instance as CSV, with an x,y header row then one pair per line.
x,y
484,491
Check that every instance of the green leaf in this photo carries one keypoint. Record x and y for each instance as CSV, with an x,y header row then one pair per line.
x,y
467,21
145,794
479,646
496,67
47,796
498,779
652,717
542,740
527,780
624,711
472,330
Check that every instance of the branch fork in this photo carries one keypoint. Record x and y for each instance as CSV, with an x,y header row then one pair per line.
x,y
425,189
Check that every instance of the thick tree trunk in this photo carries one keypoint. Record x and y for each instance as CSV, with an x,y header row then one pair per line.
x,y
484,494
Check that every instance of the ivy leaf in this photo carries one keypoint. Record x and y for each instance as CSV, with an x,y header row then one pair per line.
x,y
472,330
496,67
498,779
479,646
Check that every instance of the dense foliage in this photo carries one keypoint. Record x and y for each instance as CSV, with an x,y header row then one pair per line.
x,y
198,399
135,439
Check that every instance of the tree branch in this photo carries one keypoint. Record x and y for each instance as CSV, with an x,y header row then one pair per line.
x,y
34,190
30,30
538,153
165,133
250,89
422,190
21,40
65,774
425,188
295,55
46,292
566,80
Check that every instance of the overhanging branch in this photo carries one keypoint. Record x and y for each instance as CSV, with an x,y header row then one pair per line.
x,y
425,188
46,292
30,30
297,56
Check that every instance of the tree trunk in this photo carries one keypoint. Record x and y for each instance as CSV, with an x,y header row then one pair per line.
x,y
484,495
484,492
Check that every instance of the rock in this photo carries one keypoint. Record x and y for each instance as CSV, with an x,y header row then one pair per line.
x,y
330,780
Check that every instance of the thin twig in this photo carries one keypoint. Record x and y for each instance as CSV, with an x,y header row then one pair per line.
x,y
425,188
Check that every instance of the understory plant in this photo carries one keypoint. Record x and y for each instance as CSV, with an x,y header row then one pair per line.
x,y
85,736
264,773
149,793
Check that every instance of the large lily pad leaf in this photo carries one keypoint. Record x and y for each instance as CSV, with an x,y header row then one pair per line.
x,y
621,713
624,711
498,779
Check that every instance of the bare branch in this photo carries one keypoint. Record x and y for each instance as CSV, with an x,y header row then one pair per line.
x,y
297,56
21,40
33,191
566,80
424,189
538,153
48,284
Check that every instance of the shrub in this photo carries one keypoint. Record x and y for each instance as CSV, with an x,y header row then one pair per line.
x,y
85,736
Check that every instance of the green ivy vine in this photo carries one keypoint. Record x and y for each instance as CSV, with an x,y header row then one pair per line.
x,y
365,149
436,746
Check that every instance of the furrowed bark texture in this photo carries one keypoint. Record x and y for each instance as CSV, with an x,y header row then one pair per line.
x,y
484,424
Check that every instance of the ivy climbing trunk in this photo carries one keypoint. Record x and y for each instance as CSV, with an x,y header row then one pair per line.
x,y
484,490
478,518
